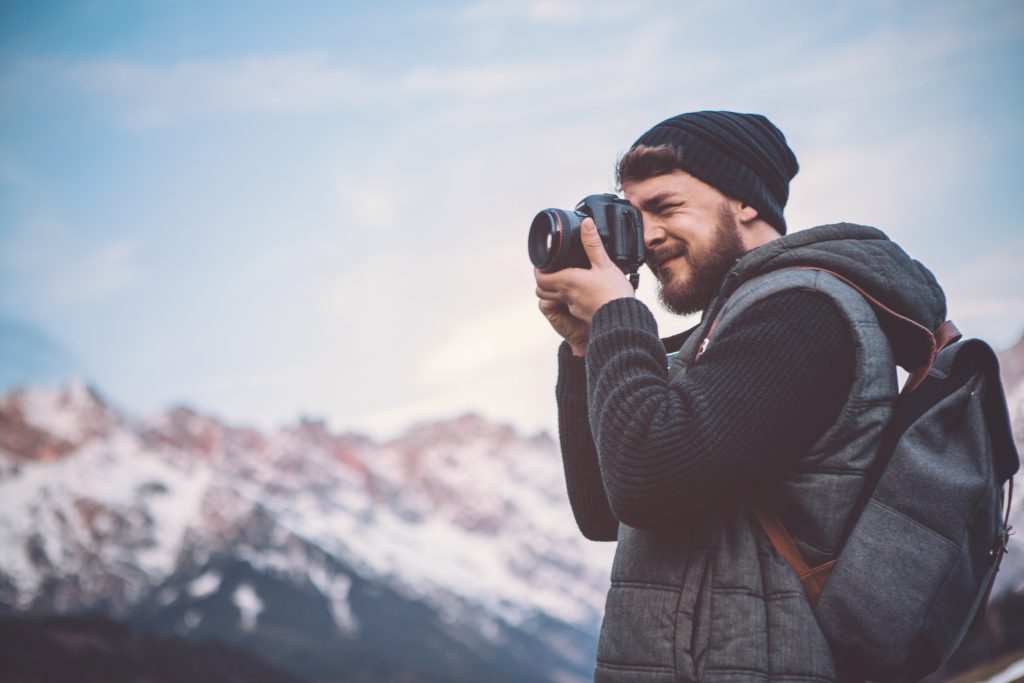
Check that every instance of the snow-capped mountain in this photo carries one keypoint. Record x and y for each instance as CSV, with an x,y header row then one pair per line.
x,y
1011,368
446,554
460,529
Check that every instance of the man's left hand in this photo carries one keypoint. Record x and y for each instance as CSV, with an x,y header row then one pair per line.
x,y
586,290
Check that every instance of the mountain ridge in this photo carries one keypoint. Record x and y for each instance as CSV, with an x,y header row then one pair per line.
x,y
353,551
460,526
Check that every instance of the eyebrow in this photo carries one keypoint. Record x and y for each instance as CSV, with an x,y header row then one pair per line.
x,y
652,203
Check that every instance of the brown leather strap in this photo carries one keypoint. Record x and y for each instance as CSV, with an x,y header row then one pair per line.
x,y
920,343
944,336
812,579
1000,551
780,538
947,333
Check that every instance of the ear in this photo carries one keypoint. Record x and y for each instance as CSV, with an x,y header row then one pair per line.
x,y
747,213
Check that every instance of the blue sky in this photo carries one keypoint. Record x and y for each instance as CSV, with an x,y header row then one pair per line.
x,y
265,209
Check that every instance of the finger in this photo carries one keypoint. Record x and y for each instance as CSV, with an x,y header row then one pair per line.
x,y
593,245
543,279
556,281
551,307
550,295
547,285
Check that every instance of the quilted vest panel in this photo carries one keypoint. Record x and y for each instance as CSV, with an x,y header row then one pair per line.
x,y
714,601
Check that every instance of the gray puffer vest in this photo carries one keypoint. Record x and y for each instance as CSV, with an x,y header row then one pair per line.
x,y
718,603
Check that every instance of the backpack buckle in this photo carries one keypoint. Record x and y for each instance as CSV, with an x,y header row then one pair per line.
x,y
1002,545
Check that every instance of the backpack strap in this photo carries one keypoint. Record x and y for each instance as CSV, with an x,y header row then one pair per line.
x,y
918,349
917,345
811,578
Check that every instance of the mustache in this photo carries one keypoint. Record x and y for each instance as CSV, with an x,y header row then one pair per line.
x,y
656,257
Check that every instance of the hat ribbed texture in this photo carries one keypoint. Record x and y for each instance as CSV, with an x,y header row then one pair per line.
x,y
742,155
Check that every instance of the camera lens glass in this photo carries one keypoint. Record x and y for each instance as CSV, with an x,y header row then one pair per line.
x,y
550,237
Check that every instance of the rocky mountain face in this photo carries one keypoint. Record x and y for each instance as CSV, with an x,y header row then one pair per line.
x,y
1011,368
91,649
447,554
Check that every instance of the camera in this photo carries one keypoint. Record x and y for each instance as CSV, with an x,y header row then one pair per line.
x,y
555,238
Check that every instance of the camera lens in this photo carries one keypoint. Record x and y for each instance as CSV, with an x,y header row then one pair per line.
x,y
551,235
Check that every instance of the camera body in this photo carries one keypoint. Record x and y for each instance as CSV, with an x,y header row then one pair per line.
x,y
555,240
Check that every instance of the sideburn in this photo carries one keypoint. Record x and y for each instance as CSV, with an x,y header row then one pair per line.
x,y
708,268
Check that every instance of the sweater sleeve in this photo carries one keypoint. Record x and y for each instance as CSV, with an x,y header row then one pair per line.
x,y
767,387
579,457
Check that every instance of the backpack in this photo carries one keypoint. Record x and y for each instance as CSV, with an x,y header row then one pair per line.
x,y
921,548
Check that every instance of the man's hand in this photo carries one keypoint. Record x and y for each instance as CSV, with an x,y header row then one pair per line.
x,y
570,297
573,330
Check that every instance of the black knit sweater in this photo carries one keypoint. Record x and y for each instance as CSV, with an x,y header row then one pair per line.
x,y
667,454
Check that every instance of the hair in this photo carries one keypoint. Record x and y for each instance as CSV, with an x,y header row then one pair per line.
x,y
644,161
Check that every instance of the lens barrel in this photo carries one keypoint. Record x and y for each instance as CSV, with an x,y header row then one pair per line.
x,y
552,235
556,235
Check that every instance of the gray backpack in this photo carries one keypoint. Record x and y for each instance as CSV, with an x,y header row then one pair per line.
x,y
923,544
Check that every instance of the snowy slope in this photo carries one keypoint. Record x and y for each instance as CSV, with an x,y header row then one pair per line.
x,y
466,517
460,529
1011,572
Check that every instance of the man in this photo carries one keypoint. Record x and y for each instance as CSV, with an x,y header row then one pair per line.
x,y
777,398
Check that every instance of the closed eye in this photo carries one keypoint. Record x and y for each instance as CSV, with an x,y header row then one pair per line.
x,y
662,202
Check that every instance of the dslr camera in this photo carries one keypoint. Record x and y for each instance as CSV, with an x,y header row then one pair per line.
x,y
555,238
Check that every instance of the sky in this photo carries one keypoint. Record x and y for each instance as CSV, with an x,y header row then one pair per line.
x,y
266,209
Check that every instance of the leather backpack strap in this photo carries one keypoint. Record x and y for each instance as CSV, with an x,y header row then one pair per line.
x,y
924,345
812,579
927,345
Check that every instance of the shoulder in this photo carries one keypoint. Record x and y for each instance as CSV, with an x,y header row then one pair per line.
x,y
795,294
798,329
782,318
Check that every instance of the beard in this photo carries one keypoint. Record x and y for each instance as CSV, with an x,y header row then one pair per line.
x,y
707,267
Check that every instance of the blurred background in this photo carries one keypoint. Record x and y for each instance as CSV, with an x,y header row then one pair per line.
x,y
272,362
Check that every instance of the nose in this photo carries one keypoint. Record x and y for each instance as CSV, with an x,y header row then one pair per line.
x,y
654,234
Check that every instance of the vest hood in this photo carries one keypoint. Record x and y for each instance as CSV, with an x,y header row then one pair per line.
x,y
860,253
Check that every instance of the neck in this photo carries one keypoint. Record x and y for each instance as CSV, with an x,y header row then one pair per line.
x,y
756,233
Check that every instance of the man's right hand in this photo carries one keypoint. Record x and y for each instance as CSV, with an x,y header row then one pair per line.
x,y
571,328
569,298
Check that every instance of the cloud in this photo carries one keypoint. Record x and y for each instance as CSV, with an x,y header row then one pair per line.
x,y
513,382
558,12
56,269
986,293
879,180
374,204
152,95
145,95
506,108
474,344
483,80
98,274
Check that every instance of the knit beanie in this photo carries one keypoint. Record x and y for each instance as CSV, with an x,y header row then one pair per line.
x,y
744,156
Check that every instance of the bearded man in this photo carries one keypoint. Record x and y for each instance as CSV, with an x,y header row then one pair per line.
x,y
778,397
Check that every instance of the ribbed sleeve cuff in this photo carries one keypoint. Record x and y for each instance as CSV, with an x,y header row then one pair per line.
x,y
628,312
572,374
619,325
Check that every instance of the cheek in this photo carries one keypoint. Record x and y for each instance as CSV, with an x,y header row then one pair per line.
x,y
677,272
681,227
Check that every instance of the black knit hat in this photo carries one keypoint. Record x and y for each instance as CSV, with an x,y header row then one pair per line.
x,y
744,156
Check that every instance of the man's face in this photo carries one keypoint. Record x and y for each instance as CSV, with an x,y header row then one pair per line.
x,y
692,235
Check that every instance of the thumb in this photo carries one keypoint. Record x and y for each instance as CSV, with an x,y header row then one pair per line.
x,y
593,245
